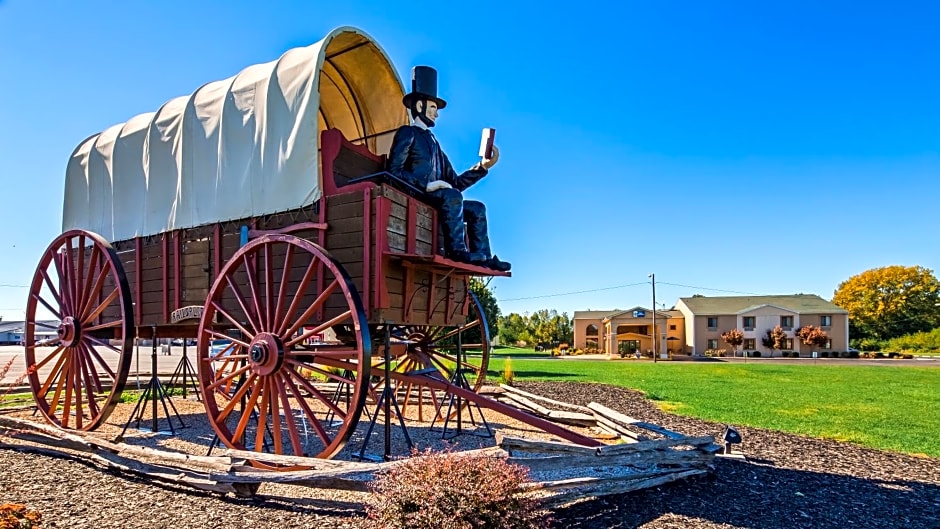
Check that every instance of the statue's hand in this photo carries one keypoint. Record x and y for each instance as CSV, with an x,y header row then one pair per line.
x,y
436,185
490,162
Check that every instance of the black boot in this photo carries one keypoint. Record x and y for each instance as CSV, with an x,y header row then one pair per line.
x,y
495,264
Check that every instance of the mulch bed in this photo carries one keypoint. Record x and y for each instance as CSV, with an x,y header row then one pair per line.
x,y
788,481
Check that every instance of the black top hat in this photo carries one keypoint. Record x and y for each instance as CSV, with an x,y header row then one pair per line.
x,y
423,85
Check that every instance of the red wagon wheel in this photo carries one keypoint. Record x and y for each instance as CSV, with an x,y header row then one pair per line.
x,y
77,374
424,348
274,388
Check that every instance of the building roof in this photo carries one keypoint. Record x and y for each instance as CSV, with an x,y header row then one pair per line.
x,y
799,303
18,326
594,314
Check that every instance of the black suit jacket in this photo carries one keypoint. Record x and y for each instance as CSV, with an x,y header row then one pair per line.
x,y
417,158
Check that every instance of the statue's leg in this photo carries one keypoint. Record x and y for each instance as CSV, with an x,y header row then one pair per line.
x,y
450,206
475,214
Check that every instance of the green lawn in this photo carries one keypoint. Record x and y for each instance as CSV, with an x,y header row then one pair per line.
x,y
892,408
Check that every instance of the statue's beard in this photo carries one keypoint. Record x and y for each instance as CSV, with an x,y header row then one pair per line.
x,y
425,119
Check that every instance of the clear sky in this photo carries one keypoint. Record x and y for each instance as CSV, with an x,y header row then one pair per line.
x,y
727,147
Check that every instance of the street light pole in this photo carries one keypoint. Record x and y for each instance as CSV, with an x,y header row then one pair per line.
x,y
653,278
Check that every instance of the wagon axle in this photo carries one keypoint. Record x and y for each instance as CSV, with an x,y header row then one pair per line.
x,y
266,354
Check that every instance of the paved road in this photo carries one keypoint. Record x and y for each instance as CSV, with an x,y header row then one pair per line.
x,y
166,364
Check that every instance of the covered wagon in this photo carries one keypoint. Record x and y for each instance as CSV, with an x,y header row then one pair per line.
x,y
256,212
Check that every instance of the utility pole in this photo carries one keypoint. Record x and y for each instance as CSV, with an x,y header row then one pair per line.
x,y
653,278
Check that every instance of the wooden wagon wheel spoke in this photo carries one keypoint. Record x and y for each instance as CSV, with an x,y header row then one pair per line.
x,y
298,297
312,309
308,413
314,368
257,317
86,293
54,311
93,292
283,412
89,368
80,281
233,287
53,291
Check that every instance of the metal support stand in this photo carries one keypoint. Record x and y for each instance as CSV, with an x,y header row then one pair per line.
x,y
455,402
342,394
154,391
184,370
386,402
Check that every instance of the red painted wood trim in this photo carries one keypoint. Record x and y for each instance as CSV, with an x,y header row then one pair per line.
x,y
289,229
382,211
366,252
321,239
412,228
331,141
177,280
166,276
139,269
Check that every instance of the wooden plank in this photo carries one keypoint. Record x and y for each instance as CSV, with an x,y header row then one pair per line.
x,y
625,420
539,398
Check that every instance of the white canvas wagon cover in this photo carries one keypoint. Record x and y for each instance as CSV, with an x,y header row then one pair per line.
x,y
241,147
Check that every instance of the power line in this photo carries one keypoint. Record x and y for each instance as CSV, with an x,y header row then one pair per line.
x,y
629,285
711,289
578,292
14,286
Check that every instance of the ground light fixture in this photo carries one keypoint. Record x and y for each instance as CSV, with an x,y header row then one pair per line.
x,y
730,437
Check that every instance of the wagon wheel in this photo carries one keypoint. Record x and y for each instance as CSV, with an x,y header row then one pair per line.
x,y
284,397
424,348
80,282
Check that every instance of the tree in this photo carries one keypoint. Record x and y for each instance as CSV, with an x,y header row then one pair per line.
x,y
891,301
775,339
513,329
812,335
734,338
488,302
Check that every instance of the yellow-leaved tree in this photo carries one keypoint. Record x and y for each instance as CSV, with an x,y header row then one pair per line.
x,y
890,301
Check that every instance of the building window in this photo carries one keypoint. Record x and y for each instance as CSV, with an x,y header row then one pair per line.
x,y
786,322
788,344
750,343
590,343
712,343
712,323
591,330
672,327
748,322
825,321
828,344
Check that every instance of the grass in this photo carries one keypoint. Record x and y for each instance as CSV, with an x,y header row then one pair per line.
x,y
891,408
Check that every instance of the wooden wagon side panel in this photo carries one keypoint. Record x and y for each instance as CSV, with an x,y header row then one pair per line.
x,y
411,293
349,217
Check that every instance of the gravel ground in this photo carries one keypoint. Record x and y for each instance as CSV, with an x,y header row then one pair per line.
x,y
788,482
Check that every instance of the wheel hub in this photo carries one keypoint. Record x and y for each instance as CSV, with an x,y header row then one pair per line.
x,y
69,331
265,354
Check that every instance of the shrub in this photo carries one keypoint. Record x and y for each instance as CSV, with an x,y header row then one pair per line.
x,y
508,374
16,516
824,354
756,354
465,491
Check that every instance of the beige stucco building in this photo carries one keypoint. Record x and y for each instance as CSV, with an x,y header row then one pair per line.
x,y
696,324
628,331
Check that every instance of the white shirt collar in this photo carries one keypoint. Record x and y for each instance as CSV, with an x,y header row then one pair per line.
x,y
420,124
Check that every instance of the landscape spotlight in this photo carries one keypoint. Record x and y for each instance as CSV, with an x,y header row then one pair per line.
x,y
730,437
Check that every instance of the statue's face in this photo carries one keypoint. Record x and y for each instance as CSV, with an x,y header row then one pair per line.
x,y
429,110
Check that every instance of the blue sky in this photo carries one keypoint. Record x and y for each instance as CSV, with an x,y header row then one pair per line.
x,y
727,147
